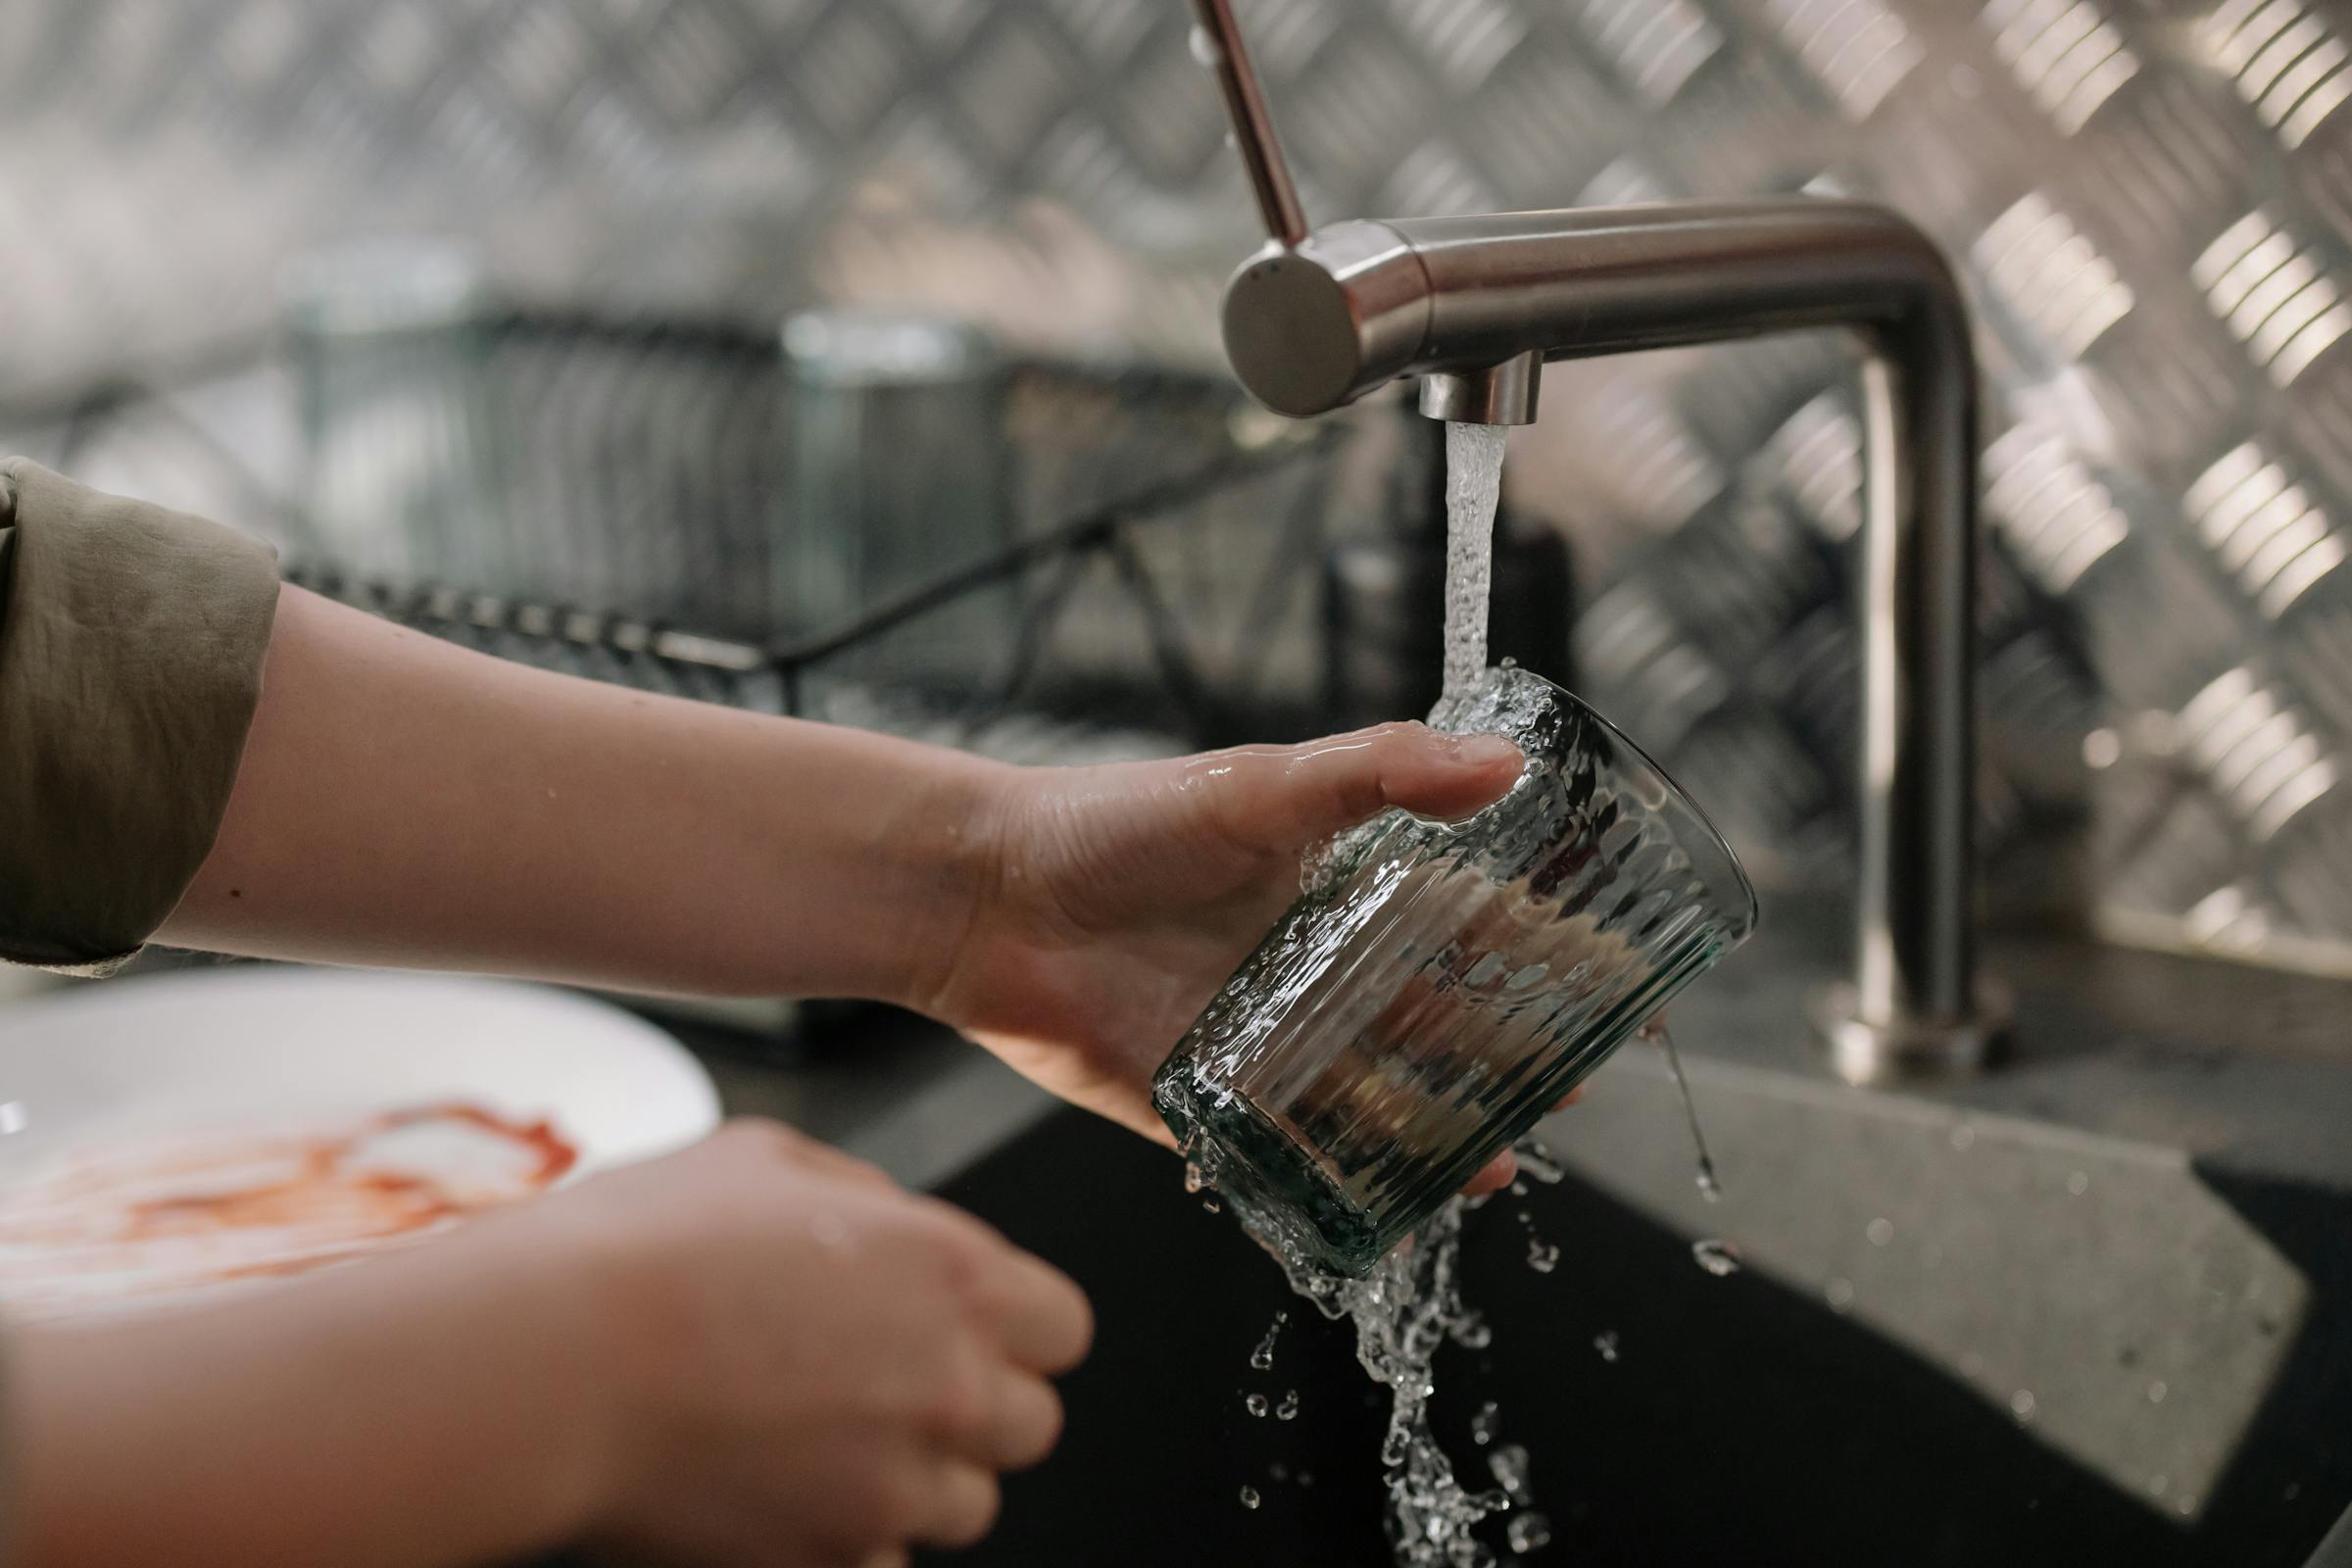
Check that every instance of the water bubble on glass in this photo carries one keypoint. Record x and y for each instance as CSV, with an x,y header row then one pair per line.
x,y
1717,1256
1528,1532
1543,1256
2079,1183
1606,1344
1879,1231
1250,1498
1255,1404
1840,1294
2021,1405
2157,1390
1288,1409
1963,1136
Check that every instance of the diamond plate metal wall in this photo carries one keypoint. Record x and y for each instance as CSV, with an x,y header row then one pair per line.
x,y
2151,200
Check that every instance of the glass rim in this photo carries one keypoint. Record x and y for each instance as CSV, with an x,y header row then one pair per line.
x,y
1716,845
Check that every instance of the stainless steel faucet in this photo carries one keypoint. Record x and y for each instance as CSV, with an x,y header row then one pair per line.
x,y
1474,306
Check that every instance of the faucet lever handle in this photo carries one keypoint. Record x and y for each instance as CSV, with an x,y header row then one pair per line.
x,y
1218,44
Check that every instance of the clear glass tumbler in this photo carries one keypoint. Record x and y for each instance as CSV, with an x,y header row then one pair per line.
x,y
1439,987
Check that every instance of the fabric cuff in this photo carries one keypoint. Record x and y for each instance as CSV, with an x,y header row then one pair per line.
x,y
131,643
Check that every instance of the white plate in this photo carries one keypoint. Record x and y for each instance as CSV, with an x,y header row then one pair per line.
x,y
105,1069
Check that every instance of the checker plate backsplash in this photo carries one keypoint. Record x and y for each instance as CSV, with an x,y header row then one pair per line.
x,y
2151,200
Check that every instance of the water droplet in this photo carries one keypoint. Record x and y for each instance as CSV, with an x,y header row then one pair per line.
x,y
1518,1189
1509,1463
2079,1183
1307,1478
1250,1498
1840,1294
1880,1231
1709,1187
1264,1356
1255,1404
2021,1405
1204,49
2157,1390
1528,1532
1288,1409
1279,1471
1543,1256
1536,1161
1213,1205
1963,1136
1717,1257
1194,1177
2187,1503
1483,1425
1606,1344
2157,1485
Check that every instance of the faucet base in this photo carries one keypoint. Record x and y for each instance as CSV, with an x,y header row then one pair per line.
x,y
1868,1052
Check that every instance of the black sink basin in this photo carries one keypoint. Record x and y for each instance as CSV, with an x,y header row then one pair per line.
x,y
1743,1421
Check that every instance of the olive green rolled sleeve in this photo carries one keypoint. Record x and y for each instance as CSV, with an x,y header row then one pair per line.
x,y
132,641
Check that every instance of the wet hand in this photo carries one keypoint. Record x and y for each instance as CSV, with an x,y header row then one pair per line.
x,y
1119,897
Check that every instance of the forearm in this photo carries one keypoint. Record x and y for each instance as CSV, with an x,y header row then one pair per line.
x,y
410,1412
406,803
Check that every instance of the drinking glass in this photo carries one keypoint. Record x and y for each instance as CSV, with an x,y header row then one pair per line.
x,y
1438,987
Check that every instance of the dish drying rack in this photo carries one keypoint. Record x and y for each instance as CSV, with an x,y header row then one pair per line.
x,y
1161,564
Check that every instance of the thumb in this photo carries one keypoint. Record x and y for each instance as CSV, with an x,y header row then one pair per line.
x,y
1282,801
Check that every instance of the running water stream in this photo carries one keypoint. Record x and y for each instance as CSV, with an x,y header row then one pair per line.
x,y
1411,1303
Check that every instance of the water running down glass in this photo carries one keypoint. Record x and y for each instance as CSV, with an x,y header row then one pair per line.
x,y
1444,985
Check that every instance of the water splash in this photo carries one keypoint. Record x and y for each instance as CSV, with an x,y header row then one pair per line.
x,y
1509,1463
1543,1256
1528,1532
1288,1409
1473,1332
1250,1498
1402,1311
1473,489
1255,1404
1717,1257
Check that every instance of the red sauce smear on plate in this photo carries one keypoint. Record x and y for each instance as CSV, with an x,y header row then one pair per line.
x,y
364,1201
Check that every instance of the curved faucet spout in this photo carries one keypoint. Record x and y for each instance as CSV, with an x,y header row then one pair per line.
x,y
1473,304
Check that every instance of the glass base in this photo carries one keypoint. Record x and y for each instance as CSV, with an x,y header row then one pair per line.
x,y
1281,1193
